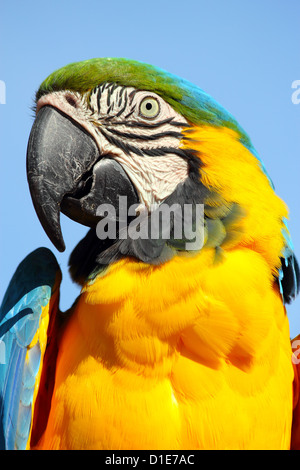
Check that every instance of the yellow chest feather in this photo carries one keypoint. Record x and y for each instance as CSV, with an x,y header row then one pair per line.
x,y
188,355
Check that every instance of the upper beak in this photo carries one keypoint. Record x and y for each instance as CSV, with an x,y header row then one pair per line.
x,y
66,172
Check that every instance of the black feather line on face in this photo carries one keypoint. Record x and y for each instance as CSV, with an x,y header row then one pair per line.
x,y
149,152
148,125
119,113
98,101
145,137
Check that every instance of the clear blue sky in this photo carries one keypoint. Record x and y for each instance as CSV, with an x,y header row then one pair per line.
x,y
244,53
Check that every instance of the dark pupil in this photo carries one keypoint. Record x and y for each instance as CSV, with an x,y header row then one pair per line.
x,y
148,106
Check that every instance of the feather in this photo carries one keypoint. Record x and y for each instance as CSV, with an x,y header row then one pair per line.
x,y
23,314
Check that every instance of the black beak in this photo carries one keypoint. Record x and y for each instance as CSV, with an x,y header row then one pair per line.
x,y
67,173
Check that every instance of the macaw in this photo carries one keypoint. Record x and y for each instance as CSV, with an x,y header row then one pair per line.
x,y
168,346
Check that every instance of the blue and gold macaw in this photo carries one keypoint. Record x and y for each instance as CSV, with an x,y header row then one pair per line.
x,y
168,346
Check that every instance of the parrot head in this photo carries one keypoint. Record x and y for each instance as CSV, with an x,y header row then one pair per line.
x,y
107,128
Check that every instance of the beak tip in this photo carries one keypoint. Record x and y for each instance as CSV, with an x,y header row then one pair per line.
x,y
61,248
56,238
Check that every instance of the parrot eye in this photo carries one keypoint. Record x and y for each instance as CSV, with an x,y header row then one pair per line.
x,y
149,108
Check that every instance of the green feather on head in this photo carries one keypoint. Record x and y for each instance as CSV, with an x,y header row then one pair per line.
x,y
187,99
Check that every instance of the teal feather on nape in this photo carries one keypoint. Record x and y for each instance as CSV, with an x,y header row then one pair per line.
x,y
29,291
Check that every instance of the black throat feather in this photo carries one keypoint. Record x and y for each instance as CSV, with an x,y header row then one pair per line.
x,y
92,255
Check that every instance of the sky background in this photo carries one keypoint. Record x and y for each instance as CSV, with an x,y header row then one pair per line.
x,y
244,53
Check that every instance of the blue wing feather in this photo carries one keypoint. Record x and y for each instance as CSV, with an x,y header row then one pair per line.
x,y
29,291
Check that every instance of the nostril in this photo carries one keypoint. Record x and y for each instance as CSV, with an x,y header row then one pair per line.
x,y
71,100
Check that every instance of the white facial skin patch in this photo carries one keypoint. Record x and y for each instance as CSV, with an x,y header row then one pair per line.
x,y
137,128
